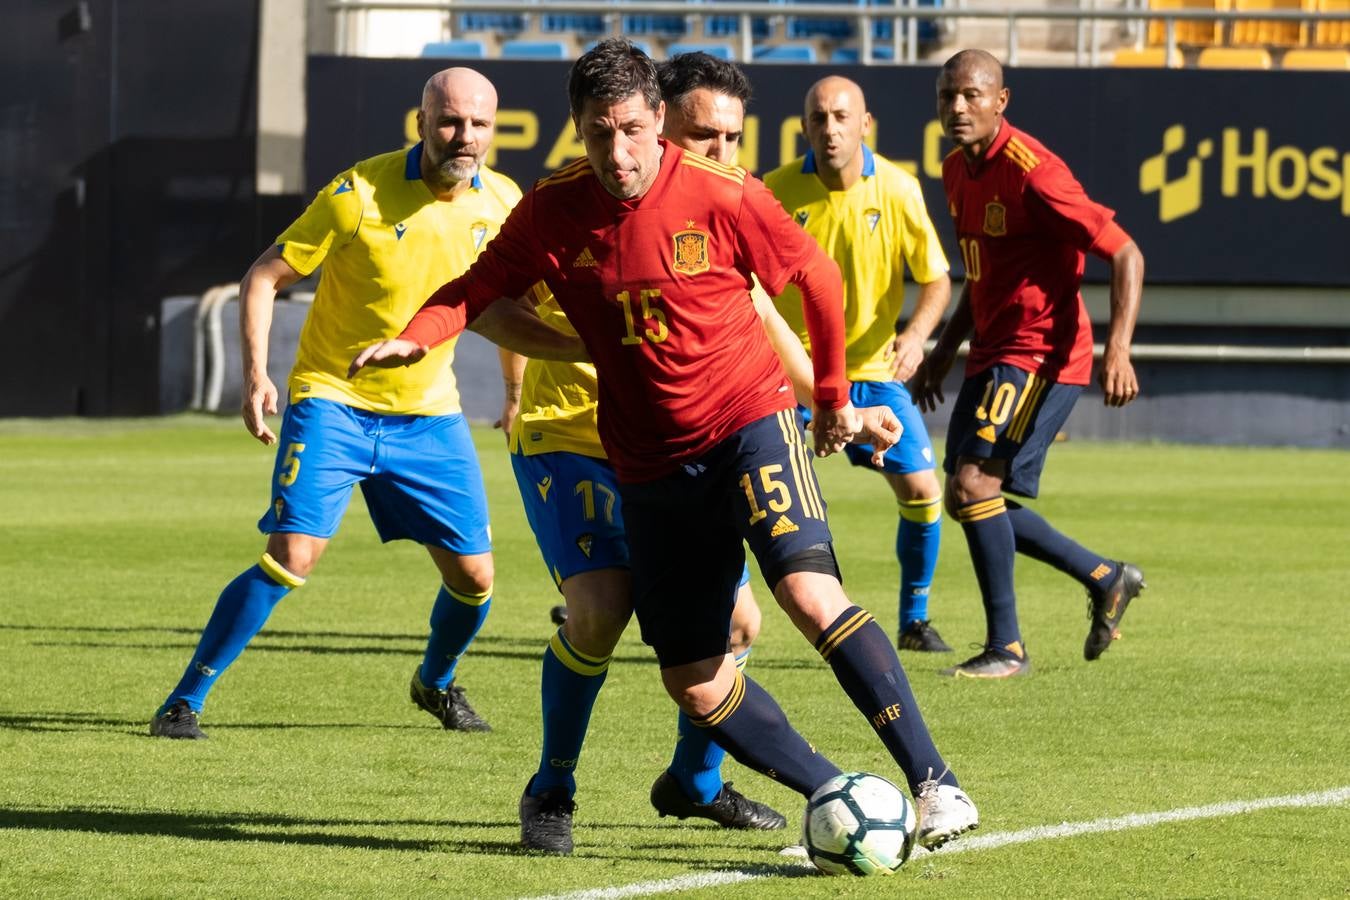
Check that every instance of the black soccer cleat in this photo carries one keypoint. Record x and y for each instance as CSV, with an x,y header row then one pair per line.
x,y
558,614
923,637
990,664
730,808
450,706
179,721
1108,608
546,821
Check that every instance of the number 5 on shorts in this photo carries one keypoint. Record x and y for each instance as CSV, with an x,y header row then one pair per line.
x,y
291,463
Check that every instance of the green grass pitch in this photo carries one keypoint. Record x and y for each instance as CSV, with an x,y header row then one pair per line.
x,y
321,779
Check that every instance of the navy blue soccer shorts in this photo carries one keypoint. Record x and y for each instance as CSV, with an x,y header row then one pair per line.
x,y
419,475
1007,413
685,534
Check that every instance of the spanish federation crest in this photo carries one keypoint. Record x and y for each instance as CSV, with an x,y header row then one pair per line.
x,y
995,219
478,230
872,217
691,251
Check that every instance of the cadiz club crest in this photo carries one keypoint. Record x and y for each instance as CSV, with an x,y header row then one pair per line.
x,y
478,231
691,251
995,219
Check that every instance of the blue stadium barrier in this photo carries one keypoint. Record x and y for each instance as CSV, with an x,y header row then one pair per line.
x,y
465,49
786,53
721,51
534,50
582,25
853,54
657,26
501,23
840,29
725,26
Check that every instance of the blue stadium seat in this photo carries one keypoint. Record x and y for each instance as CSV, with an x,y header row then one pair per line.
x,y
721,51
534,50
853,54
659,26
786,53
927,30
726,26
501,23
582,25
464,48
839,29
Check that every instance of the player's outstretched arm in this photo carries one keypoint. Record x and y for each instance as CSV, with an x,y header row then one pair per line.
x,y
258,289
906,351
785,343
926,384
1118,381
513,324
388,354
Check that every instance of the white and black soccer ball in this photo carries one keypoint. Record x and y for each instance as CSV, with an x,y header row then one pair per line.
x,y
859,824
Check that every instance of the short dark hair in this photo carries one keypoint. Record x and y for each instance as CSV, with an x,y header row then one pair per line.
x,y
687,72
610,72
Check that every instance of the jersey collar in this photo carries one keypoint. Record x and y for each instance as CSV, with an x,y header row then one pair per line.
x,y
1005,131
869,162
412,167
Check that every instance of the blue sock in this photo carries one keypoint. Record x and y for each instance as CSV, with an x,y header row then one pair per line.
x,y
697,763
240,613
993,550
917,540
752,728
455,620
1038,539
569,684
864,661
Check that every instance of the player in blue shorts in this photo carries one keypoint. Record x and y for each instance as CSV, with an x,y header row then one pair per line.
x,y
868,215
397,433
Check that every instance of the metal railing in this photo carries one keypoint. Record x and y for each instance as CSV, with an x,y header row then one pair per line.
x,y
904,18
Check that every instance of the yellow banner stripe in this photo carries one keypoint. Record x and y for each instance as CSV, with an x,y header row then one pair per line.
x,y
860,618
727,706
1023,418
701,162
922,511
574,660
278,573
470,599
811,489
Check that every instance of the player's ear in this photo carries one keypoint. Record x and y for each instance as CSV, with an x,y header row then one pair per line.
x,y
867,124
660,117
1004,95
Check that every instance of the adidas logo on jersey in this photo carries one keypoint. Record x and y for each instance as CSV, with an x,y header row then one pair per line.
x,y
783,526
584,260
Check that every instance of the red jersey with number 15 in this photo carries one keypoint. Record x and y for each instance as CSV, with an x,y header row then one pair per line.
x,y
1023,223
658,288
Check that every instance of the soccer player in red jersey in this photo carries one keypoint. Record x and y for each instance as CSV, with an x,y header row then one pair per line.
x,y
649,251
1023,224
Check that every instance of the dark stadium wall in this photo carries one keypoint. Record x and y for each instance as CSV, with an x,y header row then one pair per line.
x,y
127,163
1223,177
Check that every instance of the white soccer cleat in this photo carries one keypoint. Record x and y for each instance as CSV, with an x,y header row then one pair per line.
x,y
944,813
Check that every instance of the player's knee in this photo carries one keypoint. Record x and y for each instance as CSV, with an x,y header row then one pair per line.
x,y
296,553
969,483
745,621
594,629
695,699
472,574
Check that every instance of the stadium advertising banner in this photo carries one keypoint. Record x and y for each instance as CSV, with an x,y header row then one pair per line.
x,y
1223,177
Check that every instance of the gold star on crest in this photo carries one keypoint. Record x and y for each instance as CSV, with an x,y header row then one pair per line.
x,y
688,223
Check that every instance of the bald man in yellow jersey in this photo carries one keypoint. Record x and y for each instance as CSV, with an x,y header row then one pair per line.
x,y
388,231
868,214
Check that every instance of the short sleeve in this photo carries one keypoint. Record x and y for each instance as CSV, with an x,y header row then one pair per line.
x,y
331,220
1059,203
920,247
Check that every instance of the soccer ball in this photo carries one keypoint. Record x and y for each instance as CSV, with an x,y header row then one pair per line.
x,y
859,824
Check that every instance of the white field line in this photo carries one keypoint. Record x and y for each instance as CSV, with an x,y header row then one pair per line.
x,y
1332,797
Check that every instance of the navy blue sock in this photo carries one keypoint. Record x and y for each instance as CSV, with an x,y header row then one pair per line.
x,y
569,684
240,613
993,550
697,763
869,671
455,620
1038,539
917,541
749,724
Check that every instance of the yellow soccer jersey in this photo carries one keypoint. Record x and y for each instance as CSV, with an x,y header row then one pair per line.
x,y
557,399
871,230
386,244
